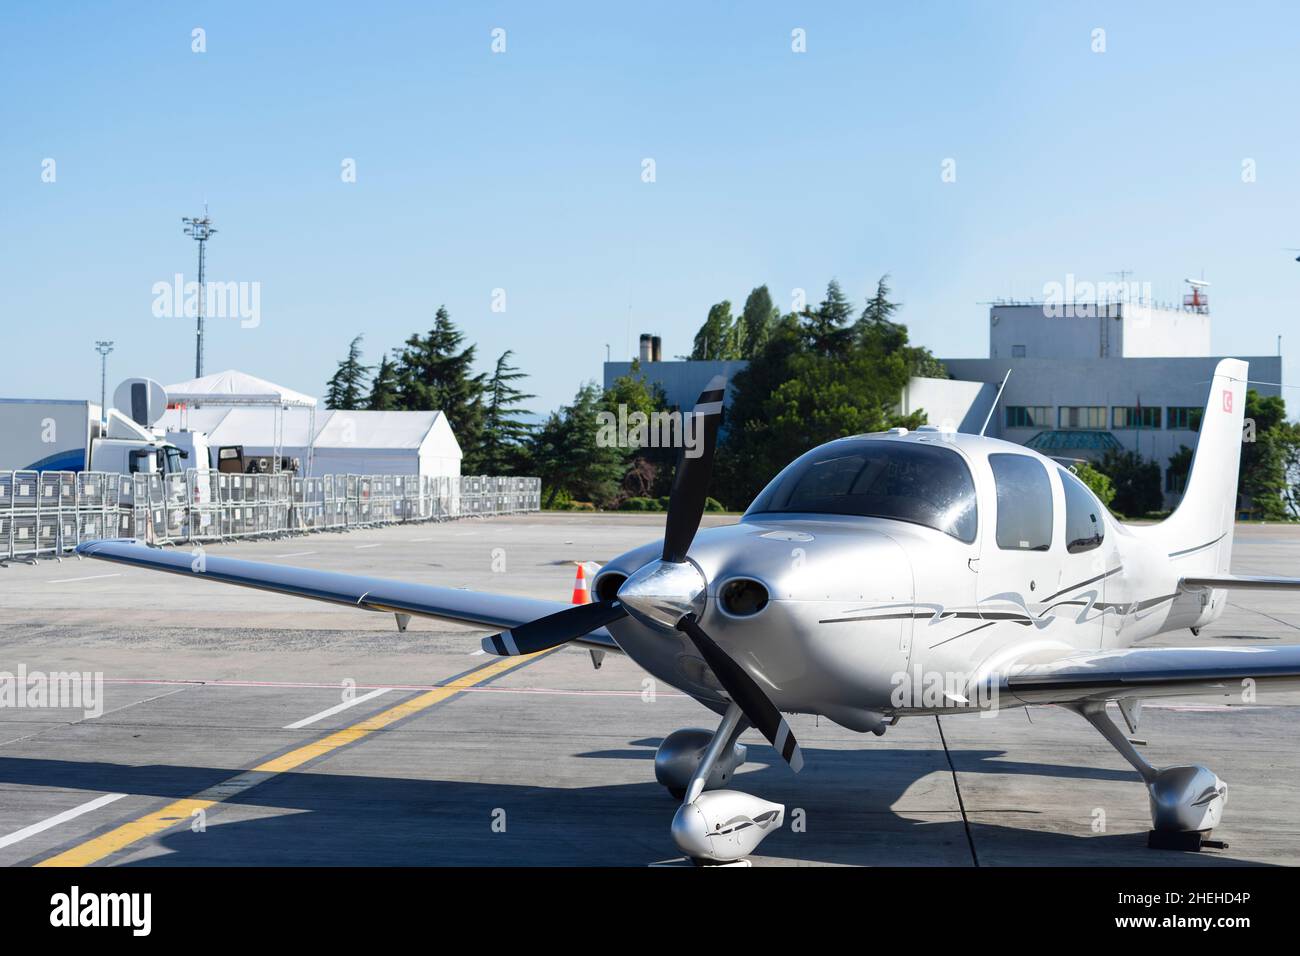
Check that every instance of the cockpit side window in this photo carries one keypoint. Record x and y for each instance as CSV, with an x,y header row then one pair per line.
x,y
878,478
1024,503
1084,529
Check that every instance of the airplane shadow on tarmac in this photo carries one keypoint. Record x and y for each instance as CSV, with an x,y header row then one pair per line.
x,y
848,798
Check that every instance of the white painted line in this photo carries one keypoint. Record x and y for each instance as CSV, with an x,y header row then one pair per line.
x,y
92,577
362,547
477,653
295,554
331,711
464,534
19,835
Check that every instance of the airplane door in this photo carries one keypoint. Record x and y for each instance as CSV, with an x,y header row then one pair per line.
x,y
1086,559
1020,556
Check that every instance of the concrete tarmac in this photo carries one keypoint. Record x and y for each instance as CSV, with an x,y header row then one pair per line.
x,y
224,739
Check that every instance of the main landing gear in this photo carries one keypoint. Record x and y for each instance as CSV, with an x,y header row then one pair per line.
x,y
1186,802
713,826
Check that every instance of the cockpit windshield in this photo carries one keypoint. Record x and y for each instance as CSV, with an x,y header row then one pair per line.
x,y
906,481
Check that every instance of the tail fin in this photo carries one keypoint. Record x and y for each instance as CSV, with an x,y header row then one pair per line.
x,y
1199,533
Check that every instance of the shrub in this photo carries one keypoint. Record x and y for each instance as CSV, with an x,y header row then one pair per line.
x,y
639,504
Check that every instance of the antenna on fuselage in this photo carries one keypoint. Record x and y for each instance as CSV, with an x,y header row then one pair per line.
x,y
996,398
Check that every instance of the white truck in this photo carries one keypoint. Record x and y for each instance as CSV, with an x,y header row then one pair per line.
x,y
41,435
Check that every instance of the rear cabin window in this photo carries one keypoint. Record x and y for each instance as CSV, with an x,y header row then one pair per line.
x,y
1083,523
1024,503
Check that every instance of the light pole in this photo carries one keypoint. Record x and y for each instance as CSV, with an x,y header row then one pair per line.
x,y
103,348
199,229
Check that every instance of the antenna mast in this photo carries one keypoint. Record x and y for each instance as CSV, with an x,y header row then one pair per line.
x,y
200,229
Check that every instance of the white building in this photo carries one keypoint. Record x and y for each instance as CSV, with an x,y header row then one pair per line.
x,y
1086,378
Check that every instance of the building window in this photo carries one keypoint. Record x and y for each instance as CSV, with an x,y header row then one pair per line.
x,y
1083,416
1017,351
1024,503
1133,416
1029,416
1183,418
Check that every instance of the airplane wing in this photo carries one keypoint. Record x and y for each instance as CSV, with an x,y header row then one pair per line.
x,y
371,594
1268,583
1152,672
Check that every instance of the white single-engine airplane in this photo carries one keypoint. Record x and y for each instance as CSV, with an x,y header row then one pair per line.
x,y
867,567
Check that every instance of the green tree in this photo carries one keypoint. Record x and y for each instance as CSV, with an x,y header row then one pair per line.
x,y
755,324
1263,475
1136,480
1177,468
647,470
716,338
826,327
347,385
1290,439
504,448
434,374
568,456
816,379
877,322
1099,484
383,388
878,317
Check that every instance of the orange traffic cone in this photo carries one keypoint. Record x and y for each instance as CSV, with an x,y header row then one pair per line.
x,y
581,594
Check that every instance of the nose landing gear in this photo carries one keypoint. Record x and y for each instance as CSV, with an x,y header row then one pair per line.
x,y
720,826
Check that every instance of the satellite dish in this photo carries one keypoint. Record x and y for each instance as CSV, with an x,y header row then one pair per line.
x,y
141,399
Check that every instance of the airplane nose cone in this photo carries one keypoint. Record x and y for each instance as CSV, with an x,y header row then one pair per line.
x,y
663,592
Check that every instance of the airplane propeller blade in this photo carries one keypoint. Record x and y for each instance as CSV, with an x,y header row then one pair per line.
x,y
691,480
755,704
554,629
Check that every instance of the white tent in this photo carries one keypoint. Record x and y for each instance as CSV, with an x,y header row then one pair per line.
x,y
347,442
233,387
233,391
386,443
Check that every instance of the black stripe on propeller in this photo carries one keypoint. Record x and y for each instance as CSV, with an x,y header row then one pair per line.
x,y
755,705
554,629
691,480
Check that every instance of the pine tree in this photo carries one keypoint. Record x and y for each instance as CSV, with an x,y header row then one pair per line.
x,y
383,389
433,374
877,321
347,384
569,457
826,327
504,433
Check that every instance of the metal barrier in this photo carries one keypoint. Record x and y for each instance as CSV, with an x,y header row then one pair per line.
x,y
50,513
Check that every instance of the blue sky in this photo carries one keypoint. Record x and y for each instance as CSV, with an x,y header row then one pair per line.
x,y
522,171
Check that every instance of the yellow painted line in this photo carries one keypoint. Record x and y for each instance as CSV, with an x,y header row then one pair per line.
x,y
97,848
